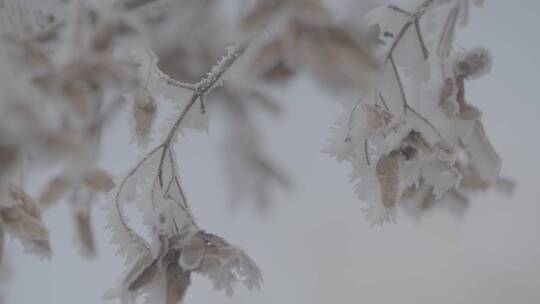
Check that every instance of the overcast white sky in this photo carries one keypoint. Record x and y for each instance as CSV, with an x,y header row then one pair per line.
x,y
315,246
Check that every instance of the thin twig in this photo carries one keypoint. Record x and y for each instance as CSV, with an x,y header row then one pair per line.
x,y
400,84
199,90
415,18
383,102
400,10
425,51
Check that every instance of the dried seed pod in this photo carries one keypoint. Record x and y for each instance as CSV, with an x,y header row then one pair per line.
x,y
144,114
55,190
178,281
142,273
98,180
86,235
473,63
192,253
387,172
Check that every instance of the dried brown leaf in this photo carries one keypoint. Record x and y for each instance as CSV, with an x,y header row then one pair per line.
x,y
335,56
98,180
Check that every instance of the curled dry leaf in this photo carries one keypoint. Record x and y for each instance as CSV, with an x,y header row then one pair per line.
x,y
388,175
98,180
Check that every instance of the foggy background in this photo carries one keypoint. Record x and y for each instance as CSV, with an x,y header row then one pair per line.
x,y
314,245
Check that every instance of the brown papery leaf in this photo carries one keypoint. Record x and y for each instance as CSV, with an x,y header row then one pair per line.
x,y
86,235
55,190
178,281
98,180
387,172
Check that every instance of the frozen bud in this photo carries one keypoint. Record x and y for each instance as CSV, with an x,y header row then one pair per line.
x,y
473,63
